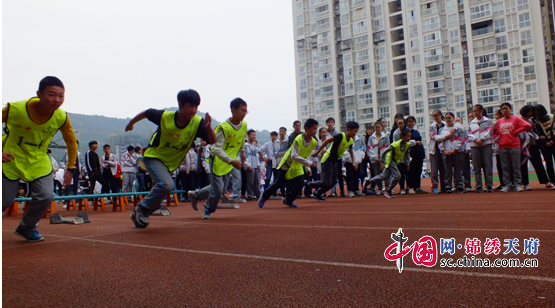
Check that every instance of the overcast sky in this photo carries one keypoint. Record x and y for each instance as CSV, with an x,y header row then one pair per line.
x,y
117,58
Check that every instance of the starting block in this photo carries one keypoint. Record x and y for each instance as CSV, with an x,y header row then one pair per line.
x,y
228,205
81,218
162,211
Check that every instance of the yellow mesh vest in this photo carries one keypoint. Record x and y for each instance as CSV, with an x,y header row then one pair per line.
x,y
344,144
296,169
234,140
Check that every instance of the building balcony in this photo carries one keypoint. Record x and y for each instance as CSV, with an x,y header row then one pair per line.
x,y
435,74
487,82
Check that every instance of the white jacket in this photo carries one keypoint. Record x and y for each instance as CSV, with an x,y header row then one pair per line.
x,y
112,163
376,147
480,129
359,149
456,142
434,137
128,162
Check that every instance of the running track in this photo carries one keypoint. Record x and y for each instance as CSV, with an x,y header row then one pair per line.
x,y
319,255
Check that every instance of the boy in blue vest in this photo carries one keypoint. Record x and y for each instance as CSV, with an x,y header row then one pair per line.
x,y
175,135
294,165
333,156
393,155
30,126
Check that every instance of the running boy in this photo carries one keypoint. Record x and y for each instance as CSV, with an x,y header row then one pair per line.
x,y
333,157
292,167
30,126
230,136
396,152
175,135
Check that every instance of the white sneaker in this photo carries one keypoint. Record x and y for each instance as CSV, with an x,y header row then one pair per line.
x,y
402,192
64,207
519,188
379,192
359,194
412,192
506,189
205,216
527,187
351,194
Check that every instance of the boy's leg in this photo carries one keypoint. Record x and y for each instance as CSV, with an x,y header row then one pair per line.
x,y
393,173
9,192
524,174
212,193
403,172
41,197
296,188
548,155
350,170
448,163
536,161
256,183
487,164
466,170
376,169
477,163
244,182
339,171
269,171
457,165
328,179
505,157
500,171
236,174
250,183
162,184
278,181
515,166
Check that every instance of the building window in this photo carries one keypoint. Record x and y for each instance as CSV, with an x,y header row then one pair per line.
x,y
351,116
526,37
506,94
412,16
417,76
497,9
485,61
381,68
419,107
499,25
457,68
528,55
524,20
458,85
503,59
432,39
384,113
462,115
417,91
416,61
379,53
364,99
531,90
529,72
501,42
430,24
505,76
456,50
364,84
376,11
420,124
459,101
522,5
453,21
488,95
454,35
480,11
365,114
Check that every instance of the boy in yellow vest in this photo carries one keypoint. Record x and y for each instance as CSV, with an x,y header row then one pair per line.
x,y
293,165
332,158
230,137
168,146
30,126
393,155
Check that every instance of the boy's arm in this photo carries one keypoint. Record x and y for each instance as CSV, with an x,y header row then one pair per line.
x,y
296,157
323,146
389,148
522,126
486,134
139,117
71,142
218,147
352,153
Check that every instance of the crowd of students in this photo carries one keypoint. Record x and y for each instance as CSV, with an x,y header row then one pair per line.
x,y
229,159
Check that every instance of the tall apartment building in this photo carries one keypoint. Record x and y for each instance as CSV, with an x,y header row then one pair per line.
x,y
367,59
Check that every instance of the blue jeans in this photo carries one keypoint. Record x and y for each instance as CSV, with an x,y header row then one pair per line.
x,y
237,182
269,172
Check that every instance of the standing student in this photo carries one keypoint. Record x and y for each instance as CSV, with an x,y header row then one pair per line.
x,y
73,186
401,125
526,140
544,126
332,157
188,173
322,136
251,167
128,165
395,126
481,144
267,153
92,163
378,142
140,168
364,167
436,157
359,148
332,131
417,154
392,156
173,138
528,114
466,160
294,165
109,167
453,154
30,126
204,168
507,129
497,116
281,146
230,136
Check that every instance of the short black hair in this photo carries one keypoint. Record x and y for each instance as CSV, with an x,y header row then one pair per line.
x,y
411,118
237,102
309,123
129,148
105,146
352,125
404,132
274,133
542,112
451,114
506,104
295,122
330,119
378,122
481,108
92,142
285,129
137,148
250,132
526,109
50,81
188,96
49,151
440,113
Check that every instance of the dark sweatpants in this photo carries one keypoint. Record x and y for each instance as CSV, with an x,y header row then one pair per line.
x,y
329,177
295,185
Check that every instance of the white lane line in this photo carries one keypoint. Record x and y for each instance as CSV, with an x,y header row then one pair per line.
x,y
422,212
26,244
329,263
378,228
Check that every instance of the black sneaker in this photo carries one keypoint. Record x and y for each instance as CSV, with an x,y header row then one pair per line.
x,y
490,189
138,218
29,235
479,190
342,194
332,196
448,191
318,197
